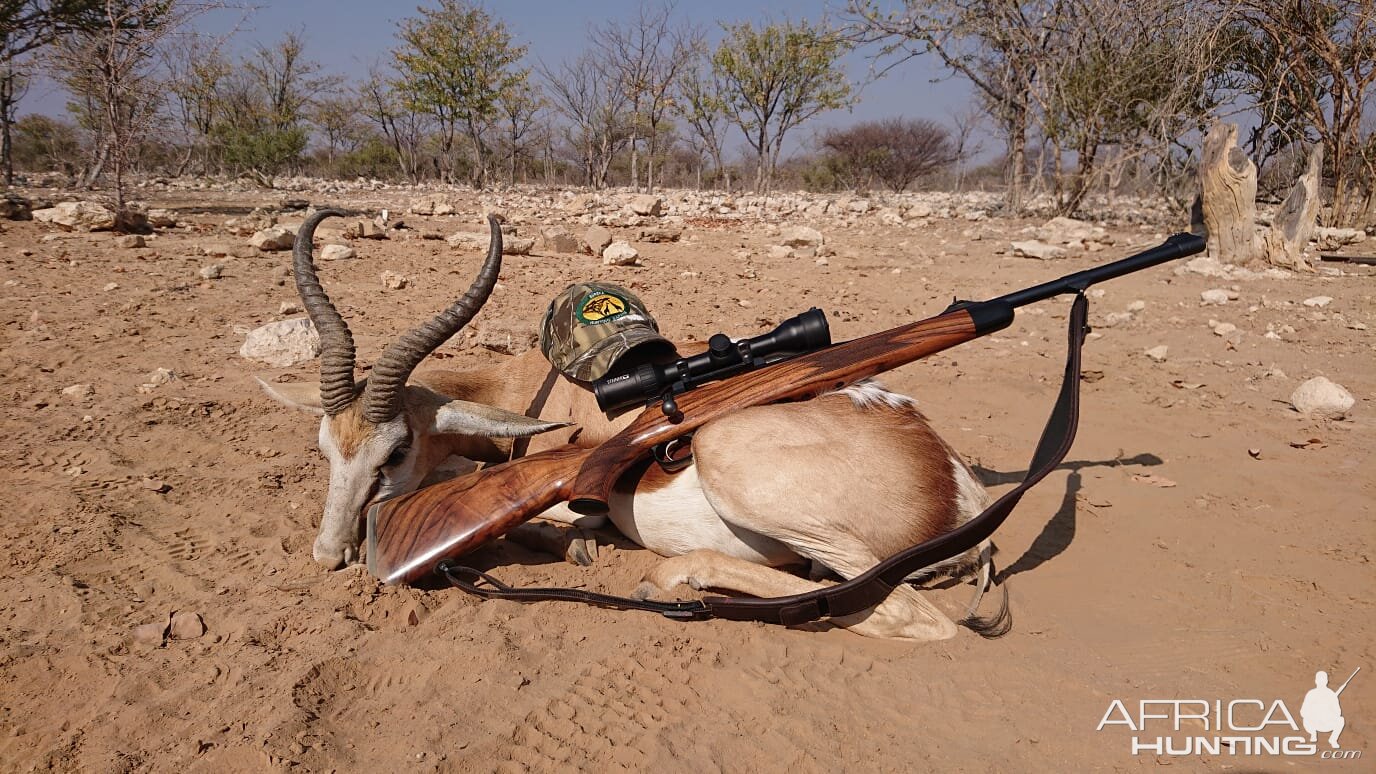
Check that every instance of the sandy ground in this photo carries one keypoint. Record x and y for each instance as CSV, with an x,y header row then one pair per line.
x,y
1163,561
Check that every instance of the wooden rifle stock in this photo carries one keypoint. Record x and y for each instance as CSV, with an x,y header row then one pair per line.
x,y
410,534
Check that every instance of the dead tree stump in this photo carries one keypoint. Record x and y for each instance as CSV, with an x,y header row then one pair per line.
x,y
1294,223
1229,182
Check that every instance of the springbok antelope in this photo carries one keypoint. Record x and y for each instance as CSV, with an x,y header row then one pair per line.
x,y
842,481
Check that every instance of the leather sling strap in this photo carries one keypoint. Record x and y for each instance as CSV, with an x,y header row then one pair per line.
x,y
865,590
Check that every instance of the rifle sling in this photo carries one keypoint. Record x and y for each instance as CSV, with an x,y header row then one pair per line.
x,y
865,590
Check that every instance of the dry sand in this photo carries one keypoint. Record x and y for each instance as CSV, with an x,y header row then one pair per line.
x,y
1162,561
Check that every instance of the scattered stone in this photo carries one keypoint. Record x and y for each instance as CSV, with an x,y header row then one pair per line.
x,y
273,239
109,286
78,216
505,336
161,218
801,236
1034,249
1114,319
647,204
186,626
1222,328
293,205
394,281
1158,354
150,634
156,379
130,241
213,271
781,252
365,229
78,391
155,485
1321,397
255,221
1137,306
468,240
1068,231
657,235
15,207
1318,302
1333,238
289,307
336,253
596,239
283,343
514,245
859,206
1214,297
620,254
557,239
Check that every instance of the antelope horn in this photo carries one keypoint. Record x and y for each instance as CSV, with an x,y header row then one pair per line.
x,y
382,397
336,342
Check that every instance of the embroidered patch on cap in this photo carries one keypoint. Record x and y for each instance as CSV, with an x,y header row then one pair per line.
x,y
600,307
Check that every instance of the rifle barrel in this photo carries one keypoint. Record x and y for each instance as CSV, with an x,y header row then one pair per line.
x,y
1177,246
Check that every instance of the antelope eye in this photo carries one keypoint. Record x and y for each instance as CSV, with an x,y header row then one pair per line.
x,y
397,457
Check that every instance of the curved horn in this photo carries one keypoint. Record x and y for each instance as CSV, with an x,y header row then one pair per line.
x,y
382,398
336,342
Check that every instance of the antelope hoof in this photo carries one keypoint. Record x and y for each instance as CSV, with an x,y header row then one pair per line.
x,y
581,551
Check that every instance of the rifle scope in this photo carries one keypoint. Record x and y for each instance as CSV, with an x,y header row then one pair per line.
x,y
803,333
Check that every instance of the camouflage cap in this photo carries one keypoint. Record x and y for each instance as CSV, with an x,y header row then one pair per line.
x,y
592,324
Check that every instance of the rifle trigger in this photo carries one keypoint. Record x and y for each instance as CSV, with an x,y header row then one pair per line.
x,y
664,454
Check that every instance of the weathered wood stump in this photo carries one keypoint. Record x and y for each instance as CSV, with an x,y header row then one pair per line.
x,y
1229,182
1294,223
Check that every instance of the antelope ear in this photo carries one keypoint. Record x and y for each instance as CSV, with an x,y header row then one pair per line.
x,y
303,396
461,417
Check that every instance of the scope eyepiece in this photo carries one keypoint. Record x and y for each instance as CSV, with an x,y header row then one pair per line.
x,y
802,333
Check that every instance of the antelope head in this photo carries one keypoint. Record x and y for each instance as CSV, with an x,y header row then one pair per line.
x,y
382,436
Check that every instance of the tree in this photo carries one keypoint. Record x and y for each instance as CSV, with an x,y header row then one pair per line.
x,y
196,79
701,106
584,91
998,46
456,63
112,67
897,151
1328,52
775,77
25,26
403,127
647,55
519,110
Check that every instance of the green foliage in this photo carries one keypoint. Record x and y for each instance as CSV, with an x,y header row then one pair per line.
x,y
373,159
42,144
262,147
776,76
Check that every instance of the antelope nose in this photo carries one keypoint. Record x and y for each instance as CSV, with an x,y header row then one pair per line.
x,y
328,557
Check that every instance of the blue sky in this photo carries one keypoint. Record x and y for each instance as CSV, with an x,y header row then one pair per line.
x,y
346,36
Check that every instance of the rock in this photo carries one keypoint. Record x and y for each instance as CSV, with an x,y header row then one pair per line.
x,y
1114,319
1158,354
657,235
150,634
557,239
1068,231
514,245
1318,302
596,239
78,216
366,229
283,343
15,207
647,204
505,336
186,626
1137,306
781,252
620,254
1034,249
394,281
1222,328
161,218
858,205
1321,397
336,253
801,236
247,225
109,286
213,271
130,242
289,307
1326,238
293,205
1216,296
273,239
469,240
78,391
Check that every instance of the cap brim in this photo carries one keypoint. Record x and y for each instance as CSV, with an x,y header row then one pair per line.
x,y
600,357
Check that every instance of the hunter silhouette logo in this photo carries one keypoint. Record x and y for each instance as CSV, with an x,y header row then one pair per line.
x,y
1240,726
601,307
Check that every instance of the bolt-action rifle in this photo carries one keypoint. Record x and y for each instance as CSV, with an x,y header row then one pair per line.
x,y
409,537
